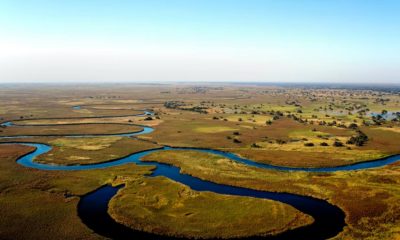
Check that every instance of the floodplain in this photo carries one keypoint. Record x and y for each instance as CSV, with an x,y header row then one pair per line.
x,y
300,127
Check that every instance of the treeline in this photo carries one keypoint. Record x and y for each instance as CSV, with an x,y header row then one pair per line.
x,y
182,106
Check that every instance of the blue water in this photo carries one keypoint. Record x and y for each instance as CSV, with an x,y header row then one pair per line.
x,y
76,107
386,116
145,130
329,219
135,158
6,124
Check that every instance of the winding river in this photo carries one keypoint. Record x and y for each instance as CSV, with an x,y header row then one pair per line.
x,y
329,219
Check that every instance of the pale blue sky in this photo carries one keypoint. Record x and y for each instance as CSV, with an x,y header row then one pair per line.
x,y
200,40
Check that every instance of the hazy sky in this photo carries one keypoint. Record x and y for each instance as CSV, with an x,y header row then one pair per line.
x,y
200,40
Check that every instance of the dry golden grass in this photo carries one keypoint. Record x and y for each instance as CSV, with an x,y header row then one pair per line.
x,y
162,206
37,197
370,198
72,151
215,129
33,204
78,129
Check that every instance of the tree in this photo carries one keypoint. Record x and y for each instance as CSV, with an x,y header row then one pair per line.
x,y
358,140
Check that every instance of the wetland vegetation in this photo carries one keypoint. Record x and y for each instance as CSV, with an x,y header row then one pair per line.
x,y
302,127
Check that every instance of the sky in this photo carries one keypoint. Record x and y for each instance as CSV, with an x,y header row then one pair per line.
x,y
346,41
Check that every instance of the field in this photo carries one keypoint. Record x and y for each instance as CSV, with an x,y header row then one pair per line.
x,y
276,125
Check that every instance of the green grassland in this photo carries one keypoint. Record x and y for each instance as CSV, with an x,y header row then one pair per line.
x,y
34,204
264,123
45,203
75,151
370,198
70,129
71,151
198,130
164,207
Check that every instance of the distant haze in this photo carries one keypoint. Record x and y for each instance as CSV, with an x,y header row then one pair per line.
x,y
345,41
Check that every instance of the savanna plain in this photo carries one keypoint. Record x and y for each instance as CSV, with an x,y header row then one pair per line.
x,y
300,127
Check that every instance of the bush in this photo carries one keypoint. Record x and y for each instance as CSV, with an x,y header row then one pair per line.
x,y
353,126
280,141
236,140
338,144
324,144
309,144
358,140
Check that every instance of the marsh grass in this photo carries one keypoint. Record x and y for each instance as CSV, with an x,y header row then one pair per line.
x,y
34,204
370,198
161,206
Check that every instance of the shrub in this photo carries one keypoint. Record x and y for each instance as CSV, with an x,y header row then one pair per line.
x,y
324,144
255,145
338,144
358,140
353,126
280,141
309,144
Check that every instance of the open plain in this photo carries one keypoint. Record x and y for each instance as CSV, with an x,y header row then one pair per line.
x,y
298,128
